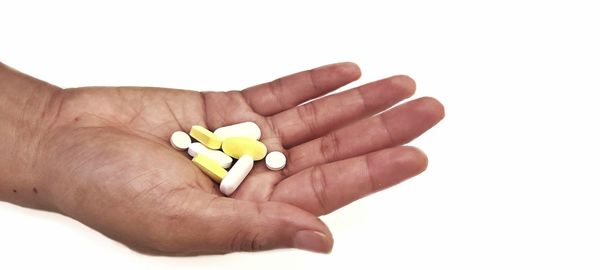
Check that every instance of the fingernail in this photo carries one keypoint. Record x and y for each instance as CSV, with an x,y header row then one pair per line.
x,y
312,241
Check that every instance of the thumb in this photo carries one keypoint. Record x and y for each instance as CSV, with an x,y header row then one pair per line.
x,y
226,225
251,226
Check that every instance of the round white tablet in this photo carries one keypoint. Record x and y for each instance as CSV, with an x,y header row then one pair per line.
x,y
180,140
275,160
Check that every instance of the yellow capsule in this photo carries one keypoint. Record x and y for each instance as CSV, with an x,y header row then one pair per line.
x,y
210,167
206,137
237,147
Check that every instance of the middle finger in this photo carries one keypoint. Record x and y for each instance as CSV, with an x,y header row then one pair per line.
x,y
399,125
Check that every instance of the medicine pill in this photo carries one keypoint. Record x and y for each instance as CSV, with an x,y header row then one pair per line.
x,y
206,137
236,147
275,161
210,167
180,140
236,175
245,129
239,141
221,158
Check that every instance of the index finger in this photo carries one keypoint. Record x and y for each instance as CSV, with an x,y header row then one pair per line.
x,y
289,91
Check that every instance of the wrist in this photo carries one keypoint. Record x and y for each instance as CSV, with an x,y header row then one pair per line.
x,y
25,113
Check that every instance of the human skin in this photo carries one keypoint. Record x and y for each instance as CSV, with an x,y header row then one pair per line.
x,y
101,155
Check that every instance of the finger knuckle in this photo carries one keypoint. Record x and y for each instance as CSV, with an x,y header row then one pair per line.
x,y
330,147
248,241
318,184
308,116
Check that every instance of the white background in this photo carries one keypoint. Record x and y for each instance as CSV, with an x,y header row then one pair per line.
x,y
513,178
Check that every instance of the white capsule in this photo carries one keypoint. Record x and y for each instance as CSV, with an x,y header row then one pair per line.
x,y
180,140
219,157
245,129
236,175
275,161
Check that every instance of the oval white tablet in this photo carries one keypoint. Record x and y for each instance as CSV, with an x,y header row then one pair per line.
x,y
219,157
180,140
245,129
275,161
236,175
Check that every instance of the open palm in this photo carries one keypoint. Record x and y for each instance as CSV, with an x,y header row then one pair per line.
x,y
109,163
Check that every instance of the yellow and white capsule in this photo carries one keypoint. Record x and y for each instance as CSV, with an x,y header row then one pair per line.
x,y
210,167
216,155
206,137
236,147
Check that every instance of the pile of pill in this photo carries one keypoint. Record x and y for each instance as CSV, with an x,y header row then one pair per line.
x,y
214,152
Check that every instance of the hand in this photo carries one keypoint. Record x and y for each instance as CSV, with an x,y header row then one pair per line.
x,y
106,160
